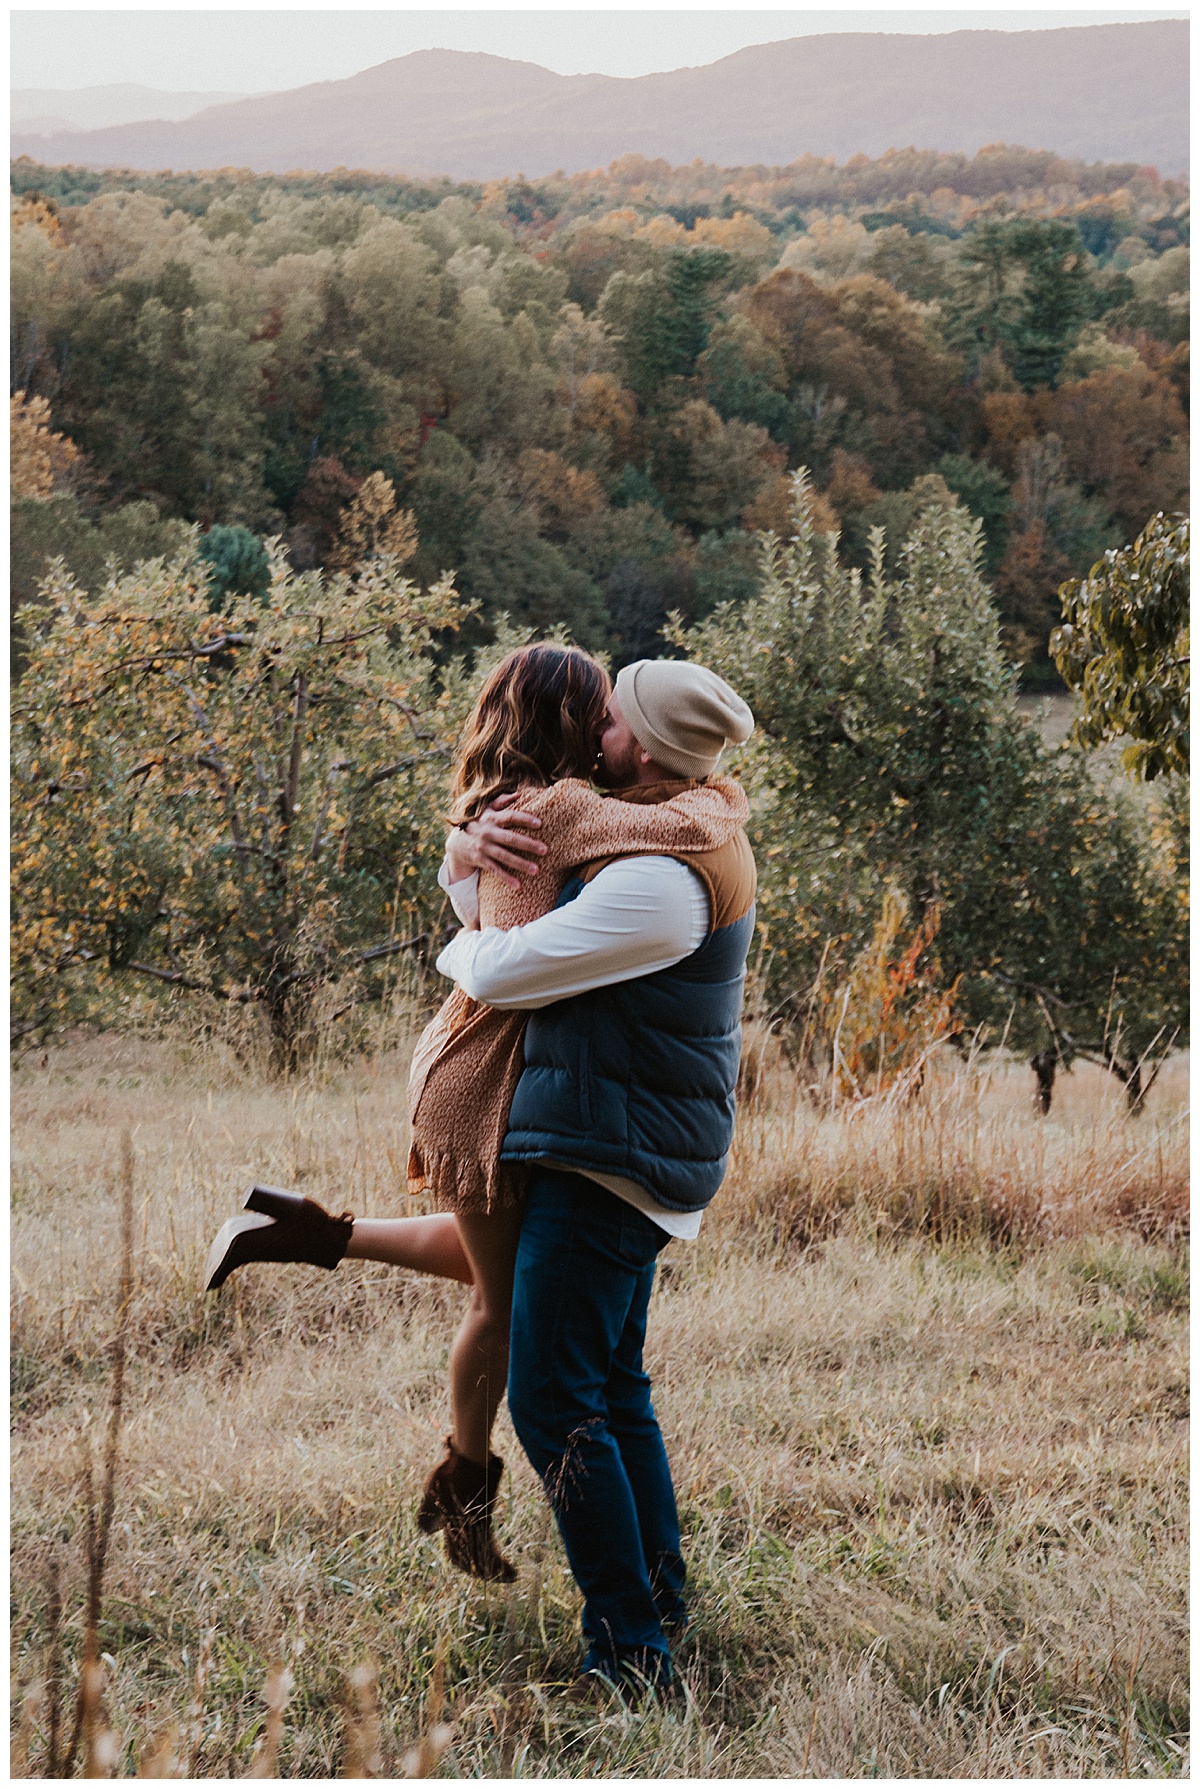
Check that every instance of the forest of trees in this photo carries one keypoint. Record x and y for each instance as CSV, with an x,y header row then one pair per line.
x,y
590,391
638,407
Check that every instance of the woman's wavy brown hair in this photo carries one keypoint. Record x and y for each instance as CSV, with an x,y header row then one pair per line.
x,y
537,719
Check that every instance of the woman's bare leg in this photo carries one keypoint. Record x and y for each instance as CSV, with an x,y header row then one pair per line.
x,y
426,1244
480,1250
479,1356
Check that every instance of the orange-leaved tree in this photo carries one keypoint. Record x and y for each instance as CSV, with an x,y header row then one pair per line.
x,y
40,460
893,1009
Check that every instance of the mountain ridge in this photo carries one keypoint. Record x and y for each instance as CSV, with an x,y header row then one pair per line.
x,y
108,105
1098,92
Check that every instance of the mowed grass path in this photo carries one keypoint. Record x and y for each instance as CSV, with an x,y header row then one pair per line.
x,y
923,1381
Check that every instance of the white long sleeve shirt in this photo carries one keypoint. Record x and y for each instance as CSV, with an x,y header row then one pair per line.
x,y
637,916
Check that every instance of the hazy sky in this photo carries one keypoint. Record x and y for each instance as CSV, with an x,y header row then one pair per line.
x,y
241,51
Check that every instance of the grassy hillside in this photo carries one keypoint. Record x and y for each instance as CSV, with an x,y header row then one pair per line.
x,y
923,1381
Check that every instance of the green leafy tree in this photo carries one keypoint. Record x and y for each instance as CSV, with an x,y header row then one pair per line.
x,y
743,376
892,757
497,382
162,392
726,569
242,805
1124,646
661,319
590,256
641,565
1053,526
1026,287
245,351
445,500
522,285
508,568
1160,296
706,470
397,301
637,312
350,411
241,565
983,491
909,265
43,529
693,280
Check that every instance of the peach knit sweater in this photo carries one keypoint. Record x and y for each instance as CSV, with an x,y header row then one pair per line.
x,y
468,1060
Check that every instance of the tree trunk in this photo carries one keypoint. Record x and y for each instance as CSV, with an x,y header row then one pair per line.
x,y
1130,1075
1045,1067
286,1015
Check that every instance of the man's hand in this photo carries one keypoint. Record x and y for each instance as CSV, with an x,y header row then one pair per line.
x,y
494,841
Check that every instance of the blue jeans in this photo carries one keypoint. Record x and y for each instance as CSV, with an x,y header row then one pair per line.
x,y
580,1404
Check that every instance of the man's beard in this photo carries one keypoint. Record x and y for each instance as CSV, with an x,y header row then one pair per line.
x,y
616,776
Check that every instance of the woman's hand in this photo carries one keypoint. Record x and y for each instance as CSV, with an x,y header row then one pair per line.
x,y
495,841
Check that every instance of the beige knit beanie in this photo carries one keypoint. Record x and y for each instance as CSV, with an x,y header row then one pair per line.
x,y
683,715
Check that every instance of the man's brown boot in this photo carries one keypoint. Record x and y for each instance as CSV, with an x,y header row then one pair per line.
x,y
277,1226
460,1497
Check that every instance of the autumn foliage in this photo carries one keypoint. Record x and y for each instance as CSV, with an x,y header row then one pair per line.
x,y
588,403
585,391
894,1008
40,460
239,804
897,785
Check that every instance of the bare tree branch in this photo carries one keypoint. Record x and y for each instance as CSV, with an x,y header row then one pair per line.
x,y
1103,1054
335,768
213,761
391,770
149,764
391,950
422,733
221,644
243,996
291,792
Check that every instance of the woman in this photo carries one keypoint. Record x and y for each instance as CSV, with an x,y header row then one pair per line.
x,y
533,737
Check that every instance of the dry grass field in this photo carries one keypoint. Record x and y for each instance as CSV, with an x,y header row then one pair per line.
x,y
923,1380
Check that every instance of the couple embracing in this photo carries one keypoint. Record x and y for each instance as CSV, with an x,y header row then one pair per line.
x,y
572,1108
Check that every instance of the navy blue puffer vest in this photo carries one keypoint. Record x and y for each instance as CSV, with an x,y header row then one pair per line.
x,y
638,1079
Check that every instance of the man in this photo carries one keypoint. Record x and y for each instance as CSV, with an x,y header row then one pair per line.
x,y
625,1110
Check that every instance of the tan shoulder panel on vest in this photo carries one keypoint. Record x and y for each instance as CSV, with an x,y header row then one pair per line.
x,y
728,873
731,877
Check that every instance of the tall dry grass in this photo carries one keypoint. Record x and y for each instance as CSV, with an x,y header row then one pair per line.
x,y
923,1380
968,1159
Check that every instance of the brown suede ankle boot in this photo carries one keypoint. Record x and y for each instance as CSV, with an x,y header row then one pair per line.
x,y
277,1226
460,1497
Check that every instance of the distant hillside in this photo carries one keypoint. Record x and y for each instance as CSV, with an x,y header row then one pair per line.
x,y
44,110
1104,92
